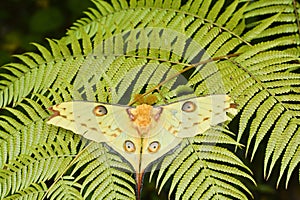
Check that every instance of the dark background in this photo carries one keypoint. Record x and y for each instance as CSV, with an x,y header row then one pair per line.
x,y
25,21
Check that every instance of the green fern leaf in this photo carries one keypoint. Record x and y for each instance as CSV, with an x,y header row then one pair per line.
x,y
168,48
34,191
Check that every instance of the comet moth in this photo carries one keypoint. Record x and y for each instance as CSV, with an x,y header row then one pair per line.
x,y
145,133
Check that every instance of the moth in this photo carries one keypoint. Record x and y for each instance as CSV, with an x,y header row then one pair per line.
x,y
145,133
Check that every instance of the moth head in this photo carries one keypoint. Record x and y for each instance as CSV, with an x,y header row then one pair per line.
x,y
143,116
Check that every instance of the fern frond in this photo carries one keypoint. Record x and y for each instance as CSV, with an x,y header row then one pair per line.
x,y
196,165
102,174
146,46
18,135
38,167
285,23
34,191
269,111
65,189
39,71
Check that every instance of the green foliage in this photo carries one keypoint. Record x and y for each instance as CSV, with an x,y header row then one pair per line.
x,y
121,49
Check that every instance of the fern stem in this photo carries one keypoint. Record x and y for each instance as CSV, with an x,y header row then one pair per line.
x,y
67,168
297,16
182,71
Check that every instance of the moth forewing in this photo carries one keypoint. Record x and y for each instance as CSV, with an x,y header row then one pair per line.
x,y
198,114
78,117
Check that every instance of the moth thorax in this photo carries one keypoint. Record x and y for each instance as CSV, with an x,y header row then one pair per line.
x,y
141,115
144,117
